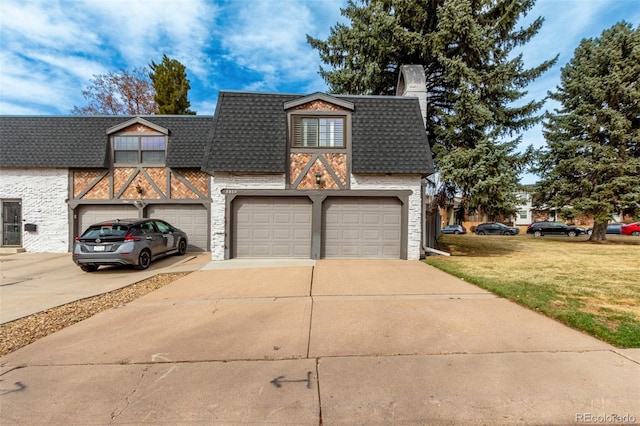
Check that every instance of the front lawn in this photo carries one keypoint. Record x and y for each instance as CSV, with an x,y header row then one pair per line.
x,y
594,287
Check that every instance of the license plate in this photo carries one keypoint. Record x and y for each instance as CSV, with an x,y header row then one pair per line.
x,y
98,248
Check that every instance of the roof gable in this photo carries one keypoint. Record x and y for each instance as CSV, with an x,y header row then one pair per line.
x,y
318,97
134,121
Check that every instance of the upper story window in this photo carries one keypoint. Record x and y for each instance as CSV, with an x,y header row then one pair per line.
x,y
139,149
318,132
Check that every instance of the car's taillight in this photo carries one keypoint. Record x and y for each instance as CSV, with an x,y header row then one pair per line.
x,y
77,239
130,237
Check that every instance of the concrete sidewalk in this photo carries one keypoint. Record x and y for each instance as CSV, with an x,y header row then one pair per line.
x,y
367,342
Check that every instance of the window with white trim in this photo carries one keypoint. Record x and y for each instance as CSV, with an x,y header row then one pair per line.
x,y
139,149
318,132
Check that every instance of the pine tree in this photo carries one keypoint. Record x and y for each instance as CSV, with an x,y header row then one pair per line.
x,y
473,80
591,165
172,86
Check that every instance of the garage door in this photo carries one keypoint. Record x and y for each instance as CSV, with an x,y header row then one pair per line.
x,y
266,227
361,228
192,219
88,215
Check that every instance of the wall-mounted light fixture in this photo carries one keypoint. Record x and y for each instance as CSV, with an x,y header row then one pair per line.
x,y
138,188
318,178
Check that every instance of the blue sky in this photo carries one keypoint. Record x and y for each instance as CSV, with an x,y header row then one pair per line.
x,y
50,49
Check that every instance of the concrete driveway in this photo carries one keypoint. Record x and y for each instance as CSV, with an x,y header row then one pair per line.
x,y
34,282
341,342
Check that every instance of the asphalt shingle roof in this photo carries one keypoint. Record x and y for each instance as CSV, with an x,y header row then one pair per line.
x,y
250,134
82,141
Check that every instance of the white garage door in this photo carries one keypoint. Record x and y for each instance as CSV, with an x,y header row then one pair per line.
x,y
192,219
266,227
361,228
88,215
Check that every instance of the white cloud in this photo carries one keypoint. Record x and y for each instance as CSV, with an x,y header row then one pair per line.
x,y
269,38
143,30
47,24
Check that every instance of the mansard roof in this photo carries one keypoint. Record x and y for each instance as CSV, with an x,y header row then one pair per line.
x,y
83,141
250,133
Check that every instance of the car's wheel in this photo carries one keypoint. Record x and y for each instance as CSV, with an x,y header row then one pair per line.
x,y
480,232
182,247
537,234
456,232
89,268
144,259
571,234
635,234
506,233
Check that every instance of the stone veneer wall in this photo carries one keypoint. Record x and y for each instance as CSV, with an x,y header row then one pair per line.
x,y
229,181
43,193
411,182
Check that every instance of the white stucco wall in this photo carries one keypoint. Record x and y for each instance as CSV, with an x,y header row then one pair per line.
x,y
43,193
410,182
230,181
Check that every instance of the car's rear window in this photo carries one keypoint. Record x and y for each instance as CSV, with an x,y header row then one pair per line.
x,y
101,231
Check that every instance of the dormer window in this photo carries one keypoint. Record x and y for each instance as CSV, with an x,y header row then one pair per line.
x,y
318,132
147,149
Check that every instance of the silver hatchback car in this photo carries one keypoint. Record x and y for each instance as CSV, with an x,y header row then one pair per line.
x,y
134,242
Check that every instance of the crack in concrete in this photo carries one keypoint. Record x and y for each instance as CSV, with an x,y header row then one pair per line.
x,y
115,413
319,393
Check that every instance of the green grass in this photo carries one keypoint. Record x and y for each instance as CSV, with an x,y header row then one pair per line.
x,y
593,287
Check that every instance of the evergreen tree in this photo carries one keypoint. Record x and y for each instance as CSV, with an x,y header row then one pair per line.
x,y
473,79
591,165
172,86
119,93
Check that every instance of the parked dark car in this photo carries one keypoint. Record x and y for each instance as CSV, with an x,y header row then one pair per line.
x,y
135,242
495,228
631,229
612,228
453,229
538,229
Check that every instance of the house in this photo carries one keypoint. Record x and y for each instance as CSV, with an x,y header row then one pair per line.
x,y
269,175
60,174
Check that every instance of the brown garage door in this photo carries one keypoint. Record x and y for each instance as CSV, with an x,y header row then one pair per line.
x,y
191,218
88,215
361,228
265,227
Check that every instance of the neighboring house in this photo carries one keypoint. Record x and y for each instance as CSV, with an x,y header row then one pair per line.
x,y
525,211
59,174
270,175
455,214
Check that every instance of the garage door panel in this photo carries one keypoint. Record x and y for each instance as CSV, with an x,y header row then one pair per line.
x,y
371,219
271,227
391,235
191,218
371,234
302,218
391,219
361,227
302,234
